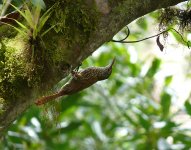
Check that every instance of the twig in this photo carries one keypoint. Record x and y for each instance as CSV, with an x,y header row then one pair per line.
x,y
136,41
127,35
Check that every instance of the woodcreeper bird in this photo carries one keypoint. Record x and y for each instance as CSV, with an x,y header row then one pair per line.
x,y
80,81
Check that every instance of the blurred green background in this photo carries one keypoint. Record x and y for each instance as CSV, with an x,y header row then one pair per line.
x,y
135,109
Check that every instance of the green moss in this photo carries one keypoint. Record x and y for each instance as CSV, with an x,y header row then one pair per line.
x,y
13,70
75,20
114,3
7,32
2,105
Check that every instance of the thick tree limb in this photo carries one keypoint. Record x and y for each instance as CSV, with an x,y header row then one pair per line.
x,y
111,16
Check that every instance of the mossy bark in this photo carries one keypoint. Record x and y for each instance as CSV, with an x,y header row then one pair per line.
x,y
28,69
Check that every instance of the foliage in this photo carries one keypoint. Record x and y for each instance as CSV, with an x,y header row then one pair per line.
x,y
35,22
5,7
121,113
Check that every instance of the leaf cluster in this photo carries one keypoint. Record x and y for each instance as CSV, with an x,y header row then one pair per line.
x,y
34,22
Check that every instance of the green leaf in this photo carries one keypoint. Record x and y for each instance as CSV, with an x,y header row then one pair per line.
x,y
15,138
45,32
130,119
39,3
144,121
43,19
168,128
17,29
142,23
180,38
165,104
36,16
27,15
154,68
168,80
187,105
183,138
72,126
21,25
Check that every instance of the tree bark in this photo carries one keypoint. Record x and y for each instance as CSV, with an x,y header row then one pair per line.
x,y
62,49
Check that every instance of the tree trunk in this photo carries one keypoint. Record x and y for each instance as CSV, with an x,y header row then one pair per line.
x,y
30,68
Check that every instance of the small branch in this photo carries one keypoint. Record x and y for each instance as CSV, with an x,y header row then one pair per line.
x,y
156,35
9,18
127,35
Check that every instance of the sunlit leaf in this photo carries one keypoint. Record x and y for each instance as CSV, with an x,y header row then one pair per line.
x,y
36,16
142,23
181,38
44,18
187,105
165,104
168,80
154,67
27,15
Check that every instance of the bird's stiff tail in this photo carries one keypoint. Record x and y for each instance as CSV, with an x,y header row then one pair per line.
x,y
46,99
